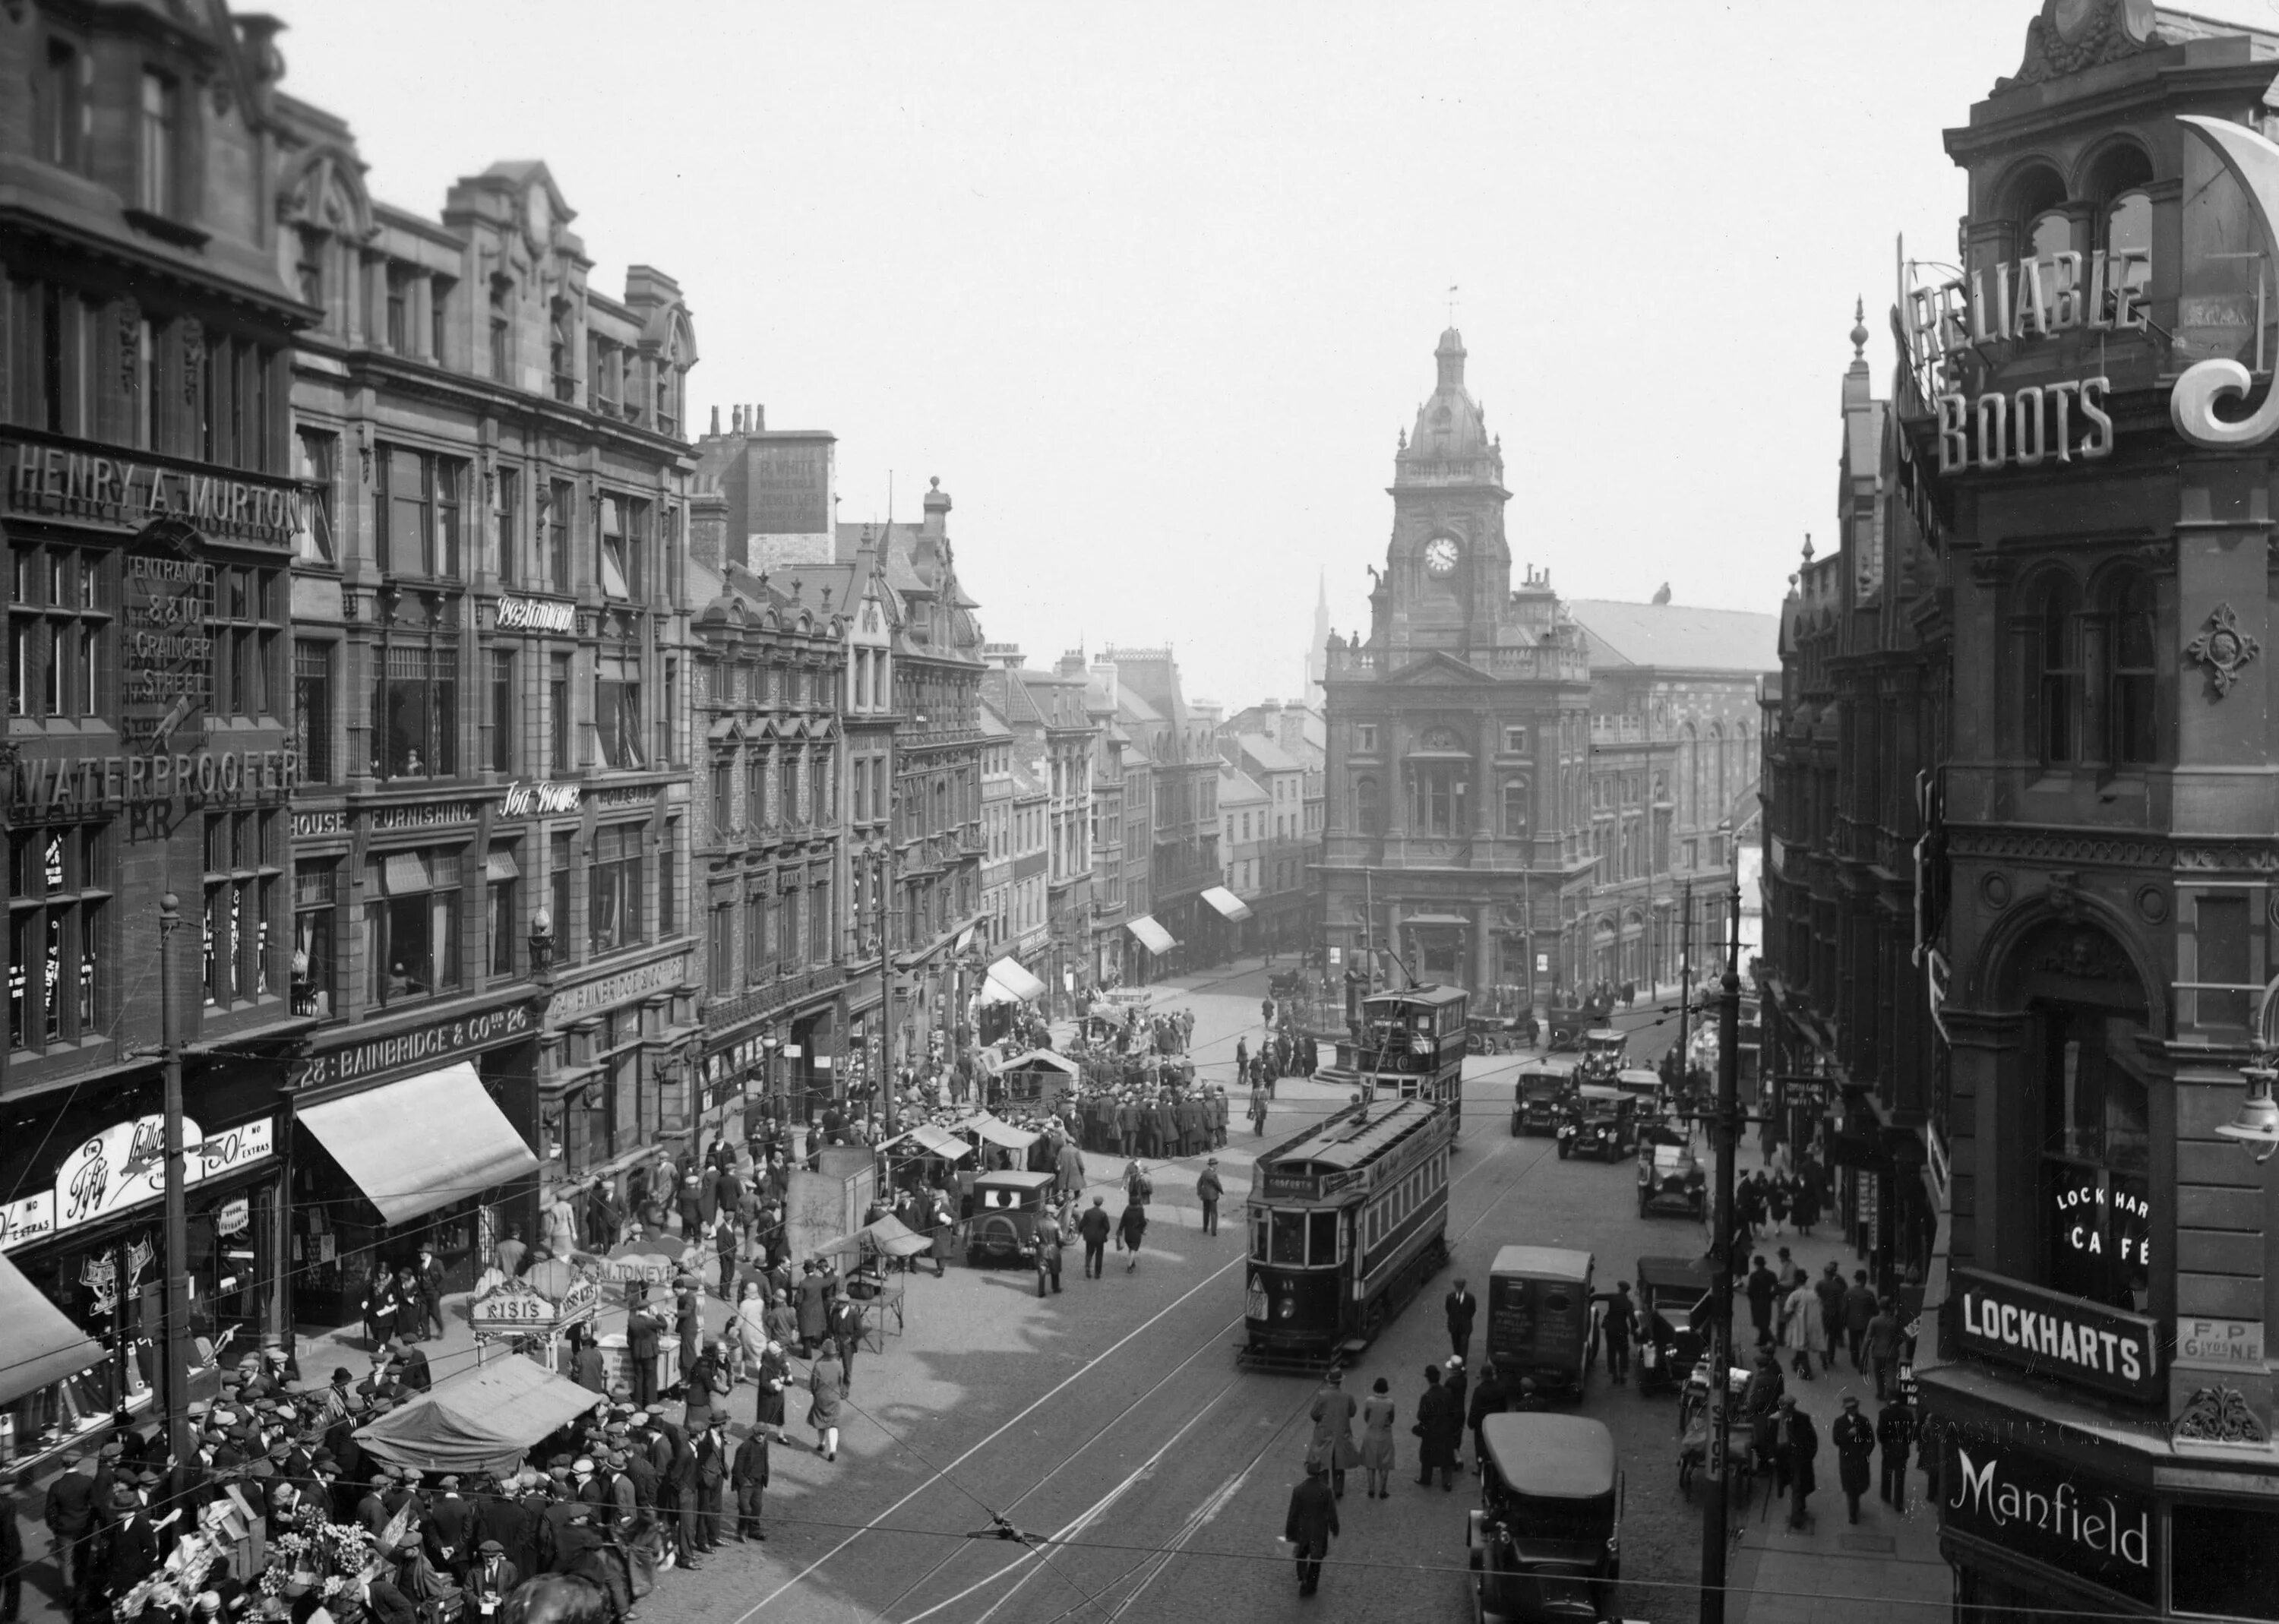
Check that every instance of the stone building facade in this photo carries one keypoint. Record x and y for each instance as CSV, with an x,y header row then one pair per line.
x,y
2099,508
490,679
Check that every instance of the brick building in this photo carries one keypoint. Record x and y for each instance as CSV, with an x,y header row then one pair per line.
x,y
150,512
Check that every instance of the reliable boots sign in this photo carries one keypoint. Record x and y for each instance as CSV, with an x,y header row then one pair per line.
x,y
2049,1514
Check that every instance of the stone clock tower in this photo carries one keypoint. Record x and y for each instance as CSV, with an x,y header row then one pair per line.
x,y
1458,736
1448,569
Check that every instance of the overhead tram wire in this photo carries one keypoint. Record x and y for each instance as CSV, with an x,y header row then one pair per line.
x,y
1003,1517
1214,1339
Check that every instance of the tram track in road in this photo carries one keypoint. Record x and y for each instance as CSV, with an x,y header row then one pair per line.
x,y
1153,1562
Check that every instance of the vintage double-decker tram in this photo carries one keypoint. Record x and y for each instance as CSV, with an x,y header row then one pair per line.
x,y
1346,1220
1408,1045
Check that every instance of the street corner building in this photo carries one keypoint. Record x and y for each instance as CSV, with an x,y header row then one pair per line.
x,y
1520,789
346,605
151,509
2020,858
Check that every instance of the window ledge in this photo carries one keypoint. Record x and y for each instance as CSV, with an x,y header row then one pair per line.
x,y
176,231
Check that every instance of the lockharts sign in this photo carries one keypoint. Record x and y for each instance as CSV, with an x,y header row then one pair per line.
x,y
2065,1338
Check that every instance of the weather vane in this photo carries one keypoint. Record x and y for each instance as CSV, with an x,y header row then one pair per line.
x,y
1452,304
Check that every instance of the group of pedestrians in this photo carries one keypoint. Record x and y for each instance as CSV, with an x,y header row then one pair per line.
x,y
1449,1404
1813,1319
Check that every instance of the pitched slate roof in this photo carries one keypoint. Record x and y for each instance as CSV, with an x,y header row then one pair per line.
x,y
1678,637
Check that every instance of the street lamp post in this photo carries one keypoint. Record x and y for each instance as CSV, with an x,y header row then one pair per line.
x,y
1725,1134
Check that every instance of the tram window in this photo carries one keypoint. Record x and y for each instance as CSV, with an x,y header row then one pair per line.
x,y
1258,1230
1322,1244
1289,1243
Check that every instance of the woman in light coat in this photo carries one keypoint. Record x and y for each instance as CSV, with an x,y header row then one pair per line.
x,y
827,1384
1803,1332
749,1329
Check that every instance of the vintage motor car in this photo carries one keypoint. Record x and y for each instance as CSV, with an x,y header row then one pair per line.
x,y
1601,1121
1671,1180
1538,1098
1673,1313
1003,1227
1546,1543
1604,1052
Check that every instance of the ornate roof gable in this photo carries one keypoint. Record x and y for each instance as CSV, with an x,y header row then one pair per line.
x,y
2071,37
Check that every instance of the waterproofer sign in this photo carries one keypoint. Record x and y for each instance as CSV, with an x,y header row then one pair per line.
x,y
2046,1511
2065,1338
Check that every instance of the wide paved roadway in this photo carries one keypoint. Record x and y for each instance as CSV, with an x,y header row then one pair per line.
x,y
1111,1420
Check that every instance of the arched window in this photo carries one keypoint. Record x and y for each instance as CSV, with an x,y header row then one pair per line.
x,y
2053,648
1689,775
1368,816
2132,729
2128,232
1716,808
1514,809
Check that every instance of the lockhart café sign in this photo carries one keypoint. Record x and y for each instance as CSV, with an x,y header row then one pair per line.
x,y
2065,1338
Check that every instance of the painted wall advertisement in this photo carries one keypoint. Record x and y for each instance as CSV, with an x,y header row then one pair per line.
x,y
790,489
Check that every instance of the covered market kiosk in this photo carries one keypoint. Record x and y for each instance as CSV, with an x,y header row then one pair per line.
x,y
875,1247
1001,1144
483,1420
534,1313
925,1143
1032,1082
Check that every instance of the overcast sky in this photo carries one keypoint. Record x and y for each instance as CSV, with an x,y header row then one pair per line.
x,y
1153,289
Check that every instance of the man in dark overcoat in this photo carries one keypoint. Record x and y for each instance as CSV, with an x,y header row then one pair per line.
x,y
1311,1524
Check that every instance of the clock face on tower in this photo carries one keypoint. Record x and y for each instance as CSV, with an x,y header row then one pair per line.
x,y
1440,556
